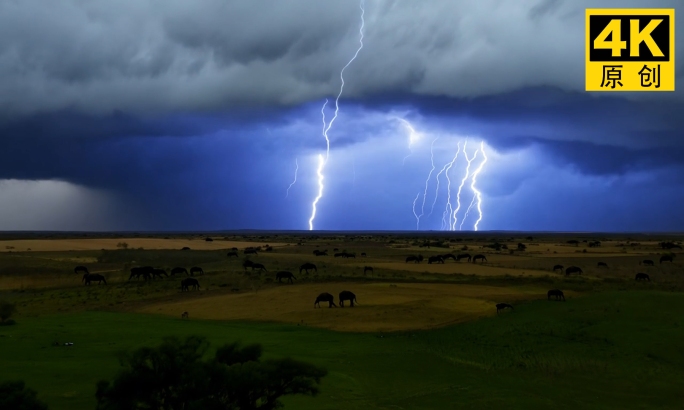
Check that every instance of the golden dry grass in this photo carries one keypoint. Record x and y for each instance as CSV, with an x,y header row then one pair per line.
x,y
382,307
59,245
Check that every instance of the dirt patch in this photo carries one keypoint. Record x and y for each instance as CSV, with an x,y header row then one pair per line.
x,y
382,307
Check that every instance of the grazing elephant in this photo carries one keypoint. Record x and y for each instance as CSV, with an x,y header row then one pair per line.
x,y
347,295
502,306
80,269
479,257
642,276
558,267
367,269
158,273
176,271
320,253
646,262
285,275
435,259
557,293
94,277
250,251
339,254
232,253
602,265
306,267
573,269
187,282
413,259
449,256
325,297
363,254
144,271
234,249
666,258
196,269
259,266
463,256
247,264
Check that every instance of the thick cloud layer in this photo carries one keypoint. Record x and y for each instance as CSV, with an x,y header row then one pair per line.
x,y
147,56
171,114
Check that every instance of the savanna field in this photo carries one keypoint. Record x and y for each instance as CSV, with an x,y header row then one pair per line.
x,y
420,335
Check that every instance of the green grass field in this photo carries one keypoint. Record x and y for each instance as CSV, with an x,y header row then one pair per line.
x,y
619,349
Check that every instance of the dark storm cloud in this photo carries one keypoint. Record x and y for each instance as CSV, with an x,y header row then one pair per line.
x,y
158,56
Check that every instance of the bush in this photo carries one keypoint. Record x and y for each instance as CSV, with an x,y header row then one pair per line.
x,y
122,245
173,376
6,310
15,396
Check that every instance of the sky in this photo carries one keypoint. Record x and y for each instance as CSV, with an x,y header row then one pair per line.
x,y
178,115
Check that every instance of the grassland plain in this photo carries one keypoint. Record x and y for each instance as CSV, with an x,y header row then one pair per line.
x,y
614,343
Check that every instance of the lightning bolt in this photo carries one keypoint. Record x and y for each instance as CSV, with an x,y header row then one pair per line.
x,y
414,211
437,189
413,137
295,178
427,180
321,162
319,172
460,187
447,211
477,197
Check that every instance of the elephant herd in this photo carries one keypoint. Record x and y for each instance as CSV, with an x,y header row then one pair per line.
x,y
557,294
443,258
345,295
639,276
147,273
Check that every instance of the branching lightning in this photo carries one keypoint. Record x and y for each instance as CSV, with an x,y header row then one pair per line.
x,y
321,161
295,178
413,137
414,212
460,187
477,197
446,216
427,180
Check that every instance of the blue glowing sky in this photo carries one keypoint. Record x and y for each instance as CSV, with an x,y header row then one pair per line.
x,y
176,115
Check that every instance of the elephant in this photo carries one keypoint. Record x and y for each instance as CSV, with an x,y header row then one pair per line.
x,y
259,266
602,265
367,269
320,253
250,251
178,270
555,292
435,259
558,267
502,306
463,256
187,282
93,277
232,253
448,256
307,266
573,269
480,256
325,297
158,272
347,295
144,271
666,258
646,262
642,276
413,259
196,269
285,275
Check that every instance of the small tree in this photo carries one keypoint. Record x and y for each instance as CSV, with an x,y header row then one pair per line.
x,y
14,395
173,376
122,245
6,311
